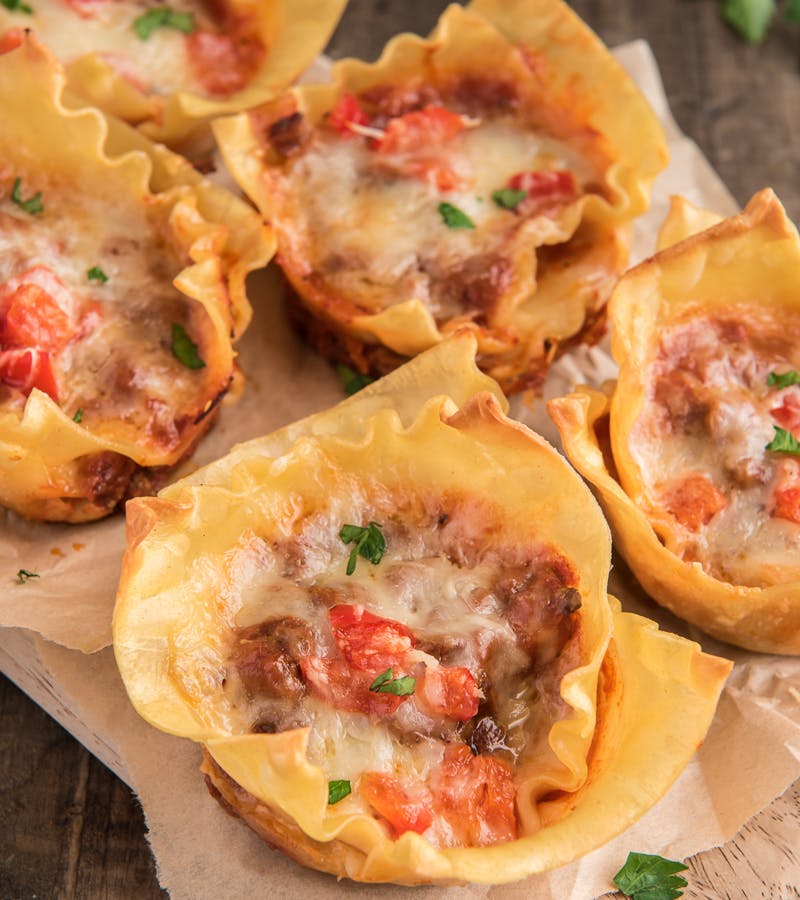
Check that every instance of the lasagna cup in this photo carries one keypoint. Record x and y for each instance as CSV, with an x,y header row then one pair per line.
x,y
171,68
121,289
482,178
701,481
388,626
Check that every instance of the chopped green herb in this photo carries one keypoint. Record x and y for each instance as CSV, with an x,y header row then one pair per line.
x,y
453,217
784,442
508,198
785,379
17,6
24,575
648,877
750,18
33,205
97,274
367,542
162,17
385,684
338,790
184,348
78,416
352,381
793,11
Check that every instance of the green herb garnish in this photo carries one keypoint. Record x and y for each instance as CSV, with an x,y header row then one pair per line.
x,y
338,790
367,542
752,18
33,205
24,575
785,379
352,381
648,877
509,198
385,684
453,217
17,6
78,416
184,348
162,17
97,274
784,442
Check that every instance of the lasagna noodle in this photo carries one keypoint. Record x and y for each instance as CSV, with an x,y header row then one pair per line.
x,y
381,313
177,227
433,428
175,110
740,272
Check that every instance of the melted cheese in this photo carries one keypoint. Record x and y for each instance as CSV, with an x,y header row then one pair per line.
x,y
119,365
377,236
744,543
445,601
159,64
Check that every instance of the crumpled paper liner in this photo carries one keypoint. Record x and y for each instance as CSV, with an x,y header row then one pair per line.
x,y
751,754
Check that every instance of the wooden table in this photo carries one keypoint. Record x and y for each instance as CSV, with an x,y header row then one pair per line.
x,y
71,829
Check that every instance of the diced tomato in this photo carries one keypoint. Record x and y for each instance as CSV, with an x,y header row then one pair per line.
x,y
344,687
87,8
420,135
448,691
347,111
34,319
694,500
225,63
11,39
786,496
25,370
475,795
45,278
787,415
423,128
369,642
546,184
544,189
406,805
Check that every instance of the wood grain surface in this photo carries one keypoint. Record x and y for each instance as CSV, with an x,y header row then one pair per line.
x,y
70,829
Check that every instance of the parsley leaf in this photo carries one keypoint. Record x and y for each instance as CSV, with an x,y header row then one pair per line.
x,y
33,205
78,416
793,11
784,442
648,877
367,542
508,198
17,6
184,348
24,575
750,18
338,790
162,17
352,381
385,684
453,217
97,274
785,379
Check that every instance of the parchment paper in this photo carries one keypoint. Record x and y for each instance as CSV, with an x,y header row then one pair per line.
x,y
751,755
